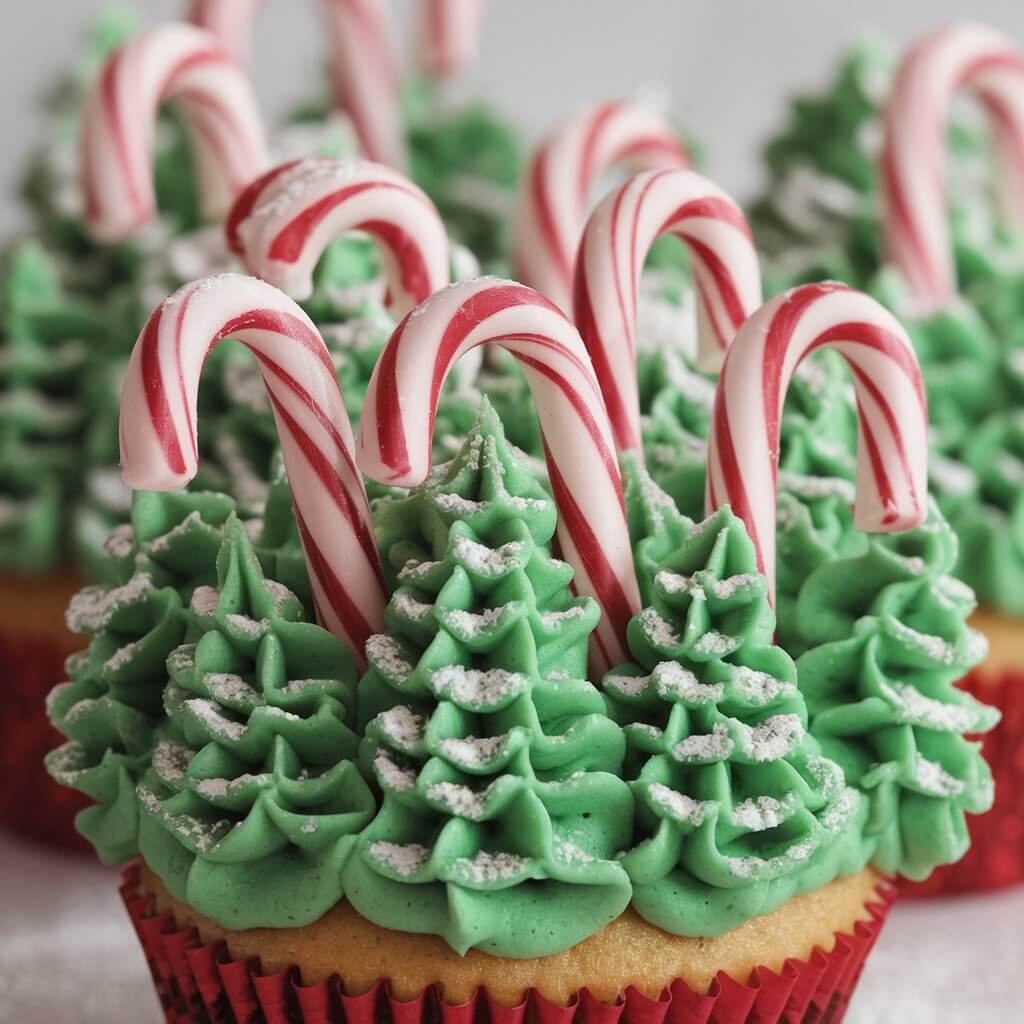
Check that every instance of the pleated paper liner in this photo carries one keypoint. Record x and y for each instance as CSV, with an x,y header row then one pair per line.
x,y
31,803
199,983
996,857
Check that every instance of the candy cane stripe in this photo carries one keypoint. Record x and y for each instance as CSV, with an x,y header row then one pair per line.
x,y
912,171
283,222
556,192
743,448
401,403
615,245
159,448
179,64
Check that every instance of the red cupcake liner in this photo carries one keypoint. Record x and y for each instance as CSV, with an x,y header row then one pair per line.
x,y
199,983
31,803
996,857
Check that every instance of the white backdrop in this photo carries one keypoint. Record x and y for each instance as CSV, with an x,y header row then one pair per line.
x,y
723,66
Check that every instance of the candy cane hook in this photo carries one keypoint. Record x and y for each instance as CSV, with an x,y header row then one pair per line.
x,y
284,220
449,36
159,449
364,76
913,165
401,403
615,244
231,21
172,63
892,413
555,195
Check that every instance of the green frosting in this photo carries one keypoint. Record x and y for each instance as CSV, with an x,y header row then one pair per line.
x,y
111,708
252,802
737,810
502,807
48,340
889,640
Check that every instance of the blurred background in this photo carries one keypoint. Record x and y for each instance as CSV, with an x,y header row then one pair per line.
x,y
722,67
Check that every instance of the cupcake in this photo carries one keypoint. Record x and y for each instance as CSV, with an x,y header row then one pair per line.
x,y
511,801
955,292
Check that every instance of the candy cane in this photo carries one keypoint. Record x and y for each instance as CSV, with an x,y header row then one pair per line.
x,y
892,432
398,419
186,65
284,220
158,431
615,244
364,75
988,64
554,197
230,21
449,36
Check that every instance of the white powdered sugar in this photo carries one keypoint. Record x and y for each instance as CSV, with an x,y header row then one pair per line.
x,y
762,813
485,561
309,826
679,806
676,583
672,680
294,686
759,867
934,780
473,751
207,712
403,858
488,867
477,688
414,570
714,746
627,686
913,706
122,656
246,625
551,620
567,852
933,647
472,624
385,654
182,659
214,789
408,607
226,686
402,726
170,760
391,774
461,801
182,529
658,631
717,644
457,505
91,609
121,541
760,688
772,739
810,488
204,600
726,588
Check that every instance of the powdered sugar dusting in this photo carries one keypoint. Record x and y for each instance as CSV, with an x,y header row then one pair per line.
x,y
478,688
704,749
681,807
403,858
403,727
473,751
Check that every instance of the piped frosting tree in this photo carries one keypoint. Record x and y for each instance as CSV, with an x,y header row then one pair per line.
x,y
252,791
891,640
501,812
737,809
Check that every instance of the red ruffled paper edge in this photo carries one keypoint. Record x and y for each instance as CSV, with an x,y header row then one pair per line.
x,y
31,803
199,983
996,857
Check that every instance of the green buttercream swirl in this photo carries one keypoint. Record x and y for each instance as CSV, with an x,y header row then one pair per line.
x,y
737,810
889,640
252,802
502,808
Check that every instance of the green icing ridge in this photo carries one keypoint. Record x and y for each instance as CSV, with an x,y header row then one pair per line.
x,y
737,809
888,641
502,808
252,802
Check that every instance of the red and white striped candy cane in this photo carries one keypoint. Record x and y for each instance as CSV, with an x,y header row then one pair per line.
x,y
555,196
172,63
230,21
398,418
159,450
615,244
364,76
892,432
449,36
913,177
284,220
